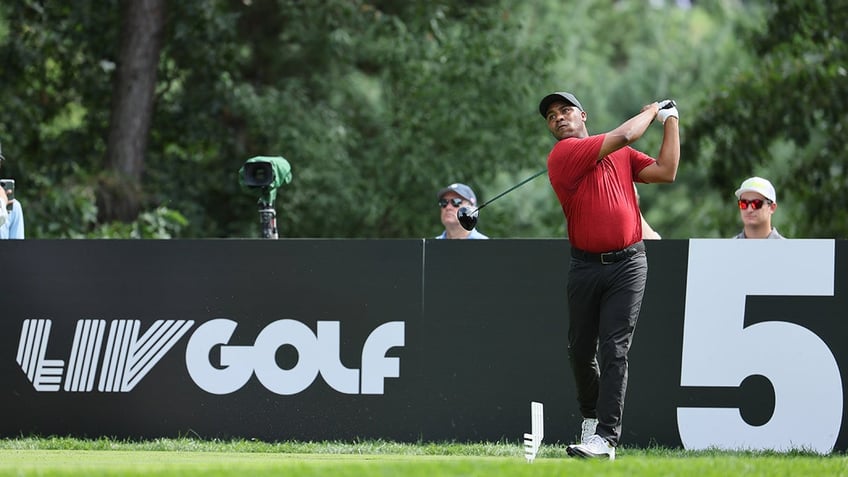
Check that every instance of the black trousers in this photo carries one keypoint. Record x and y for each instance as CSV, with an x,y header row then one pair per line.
x,y
604,301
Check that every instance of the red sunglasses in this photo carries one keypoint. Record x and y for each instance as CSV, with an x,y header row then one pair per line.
x,y
757,204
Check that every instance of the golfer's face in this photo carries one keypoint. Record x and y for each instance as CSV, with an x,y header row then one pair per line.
x,y
564,120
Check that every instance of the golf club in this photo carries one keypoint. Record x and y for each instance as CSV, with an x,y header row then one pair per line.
x,y
468,219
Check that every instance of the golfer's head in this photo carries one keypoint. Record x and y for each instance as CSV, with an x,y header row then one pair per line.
x,y
564,115
757,201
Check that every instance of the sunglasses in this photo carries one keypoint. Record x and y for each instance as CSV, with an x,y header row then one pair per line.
x,y
456,202
757,204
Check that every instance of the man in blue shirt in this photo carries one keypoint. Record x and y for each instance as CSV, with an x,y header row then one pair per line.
x,y
451,198
13,227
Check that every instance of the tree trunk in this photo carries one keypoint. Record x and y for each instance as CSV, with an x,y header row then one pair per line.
x,y
133,100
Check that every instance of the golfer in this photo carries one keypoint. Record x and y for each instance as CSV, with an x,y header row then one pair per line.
x,y
593,179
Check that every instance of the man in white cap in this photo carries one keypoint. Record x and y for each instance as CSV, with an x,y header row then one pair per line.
x,y
757,203
451,198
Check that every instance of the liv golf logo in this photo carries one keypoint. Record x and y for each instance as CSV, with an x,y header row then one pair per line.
x,y
126,358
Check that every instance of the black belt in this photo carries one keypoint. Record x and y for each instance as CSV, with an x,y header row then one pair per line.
x,y
609,257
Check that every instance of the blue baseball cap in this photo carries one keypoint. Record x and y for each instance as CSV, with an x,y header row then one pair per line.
x,y
463,190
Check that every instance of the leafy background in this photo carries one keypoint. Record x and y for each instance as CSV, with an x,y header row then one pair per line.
x,y
378,104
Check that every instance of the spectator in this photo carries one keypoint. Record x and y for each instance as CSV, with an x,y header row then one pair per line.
x,y
648,232
451,198
13,225
757,203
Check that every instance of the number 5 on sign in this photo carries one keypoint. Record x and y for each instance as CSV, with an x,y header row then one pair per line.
x,y
719,351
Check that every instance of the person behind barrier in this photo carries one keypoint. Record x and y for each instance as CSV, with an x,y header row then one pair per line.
x,y
648,232
13,225
593,177
450,199
4,214
757,203
4,200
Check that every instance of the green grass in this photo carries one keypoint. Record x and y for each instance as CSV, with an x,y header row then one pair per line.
x,y
190,457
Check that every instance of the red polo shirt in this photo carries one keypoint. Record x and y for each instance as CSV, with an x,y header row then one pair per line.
x,y
597,197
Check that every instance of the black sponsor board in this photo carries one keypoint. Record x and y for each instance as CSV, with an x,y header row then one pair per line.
x,y
483,330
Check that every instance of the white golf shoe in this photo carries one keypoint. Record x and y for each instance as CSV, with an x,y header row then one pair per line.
x,y
595,447
587,428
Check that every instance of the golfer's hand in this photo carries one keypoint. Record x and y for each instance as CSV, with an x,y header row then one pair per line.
x,y
652,106
668,108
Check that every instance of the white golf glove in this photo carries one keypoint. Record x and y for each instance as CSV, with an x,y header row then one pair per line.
x,y
668,108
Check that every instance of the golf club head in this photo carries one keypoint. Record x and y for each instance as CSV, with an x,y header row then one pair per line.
x,y
467,219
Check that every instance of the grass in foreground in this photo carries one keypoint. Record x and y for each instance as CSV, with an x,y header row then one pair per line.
x,y
190,457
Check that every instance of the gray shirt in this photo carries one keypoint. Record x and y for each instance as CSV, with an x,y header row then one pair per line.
x,y
772,235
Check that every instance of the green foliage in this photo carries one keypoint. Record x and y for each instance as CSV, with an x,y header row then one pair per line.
x,y
378,104
59,63
70,203
399,102
160,223
784,117
618,56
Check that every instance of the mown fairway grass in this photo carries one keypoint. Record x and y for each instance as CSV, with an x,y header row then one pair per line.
x,y
188,457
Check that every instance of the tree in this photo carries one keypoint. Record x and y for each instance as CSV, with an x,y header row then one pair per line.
x,y
785,118
376,104
132,111
59,66
383,104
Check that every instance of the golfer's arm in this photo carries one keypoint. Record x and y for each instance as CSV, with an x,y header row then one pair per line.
x,y
665,169
629,131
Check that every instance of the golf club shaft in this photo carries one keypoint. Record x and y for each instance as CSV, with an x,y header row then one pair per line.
x,y
516,186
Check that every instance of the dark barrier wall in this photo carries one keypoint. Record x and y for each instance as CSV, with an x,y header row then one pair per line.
x,y
740,344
